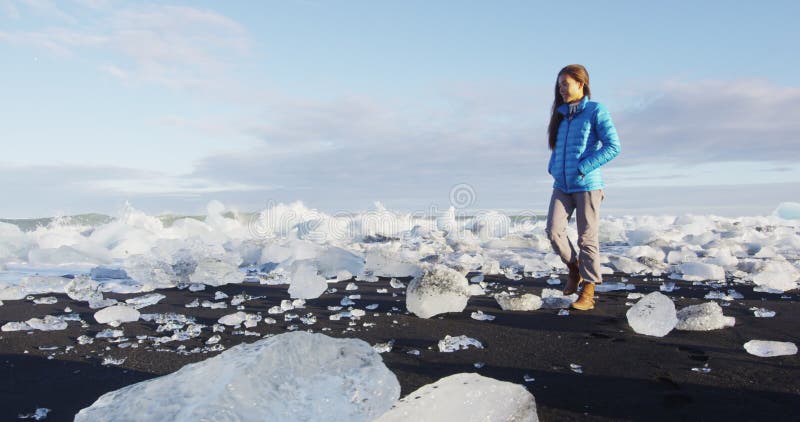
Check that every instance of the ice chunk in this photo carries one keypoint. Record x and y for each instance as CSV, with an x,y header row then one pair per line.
x,y
762,312
383,347
221,295
140,302
476,290
15,326
102,272
465,397
555,299
351,286
730,296
115,315
233,319
306,283
766,349
699,271
788,210
39,414
47,300
437,291
48,323
777,275
451,344
480,316
291,376
653,315
108,360
703,317
83,289
526,302
216,271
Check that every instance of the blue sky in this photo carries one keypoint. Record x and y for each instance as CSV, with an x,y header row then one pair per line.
x,y
342,103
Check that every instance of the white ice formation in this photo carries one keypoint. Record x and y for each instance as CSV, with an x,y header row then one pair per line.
x,y
653,315
438,290
703,317
768,349
116,315
291,376
525,302
466,397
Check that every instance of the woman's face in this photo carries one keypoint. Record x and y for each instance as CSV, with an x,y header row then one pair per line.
x,y
570,89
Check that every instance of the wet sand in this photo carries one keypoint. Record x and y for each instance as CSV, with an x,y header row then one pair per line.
x,y
625,376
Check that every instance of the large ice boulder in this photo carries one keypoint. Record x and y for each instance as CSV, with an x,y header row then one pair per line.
x,y
306,282
703,317
218,270
437,291
788,210
292,376
779,275
465,397
653,315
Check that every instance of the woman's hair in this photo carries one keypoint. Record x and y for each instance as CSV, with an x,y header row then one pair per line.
x,y
579,73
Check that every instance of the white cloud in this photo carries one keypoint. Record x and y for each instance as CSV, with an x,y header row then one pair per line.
x,y
713,121
174,46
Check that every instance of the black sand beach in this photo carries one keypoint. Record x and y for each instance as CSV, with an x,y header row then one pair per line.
x,y
626,376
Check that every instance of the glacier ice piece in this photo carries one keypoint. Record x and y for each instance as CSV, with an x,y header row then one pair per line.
x,y
291,376
653,315
436,291
451,344
767,349
306,282
525,302
703,317
140,302
465,397
117,314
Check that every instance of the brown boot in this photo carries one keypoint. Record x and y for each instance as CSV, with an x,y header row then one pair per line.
x,y
573,279
586,299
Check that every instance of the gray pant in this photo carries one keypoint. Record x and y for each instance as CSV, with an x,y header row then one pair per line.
x,y
587,205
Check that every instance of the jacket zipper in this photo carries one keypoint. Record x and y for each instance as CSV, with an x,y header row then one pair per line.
x,y
564,164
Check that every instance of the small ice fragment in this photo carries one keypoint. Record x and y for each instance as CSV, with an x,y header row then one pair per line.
x,y
47,300
451,344
528,378
703,317
297,303
396,284
39,414
218,295
480,316
67,309
372,307
275,310
762,312
84,339
553,281
354,297
563,312
576,368
193,304
146,300
653,315
383,347
668,286
197,287
108,360
346,301
477,279
414,352
214,305
479,365
358,313
382,290
634,296
526,302
351,286
766,349
213,339
702,369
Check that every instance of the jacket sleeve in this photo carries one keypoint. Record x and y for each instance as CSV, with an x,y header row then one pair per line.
x,y
607,134
550,164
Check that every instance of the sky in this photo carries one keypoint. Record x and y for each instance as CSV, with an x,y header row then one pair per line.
x,y
418,105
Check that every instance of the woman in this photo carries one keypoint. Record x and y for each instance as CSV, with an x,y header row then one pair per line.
x,y
582,138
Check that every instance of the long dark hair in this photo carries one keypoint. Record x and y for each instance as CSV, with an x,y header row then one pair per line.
x,y
579,73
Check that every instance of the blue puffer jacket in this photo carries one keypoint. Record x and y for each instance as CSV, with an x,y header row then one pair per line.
x,y
584,143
